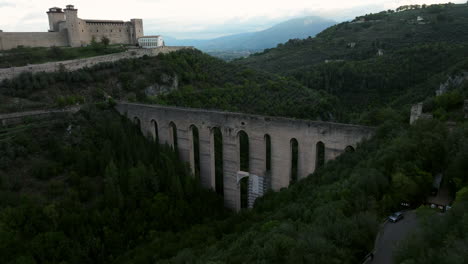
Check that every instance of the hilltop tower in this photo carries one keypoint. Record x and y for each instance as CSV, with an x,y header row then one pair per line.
x,y
72,23
55,15
137,30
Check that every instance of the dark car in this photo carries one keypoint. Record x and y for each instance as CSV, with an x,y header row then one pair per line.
x,y
396,217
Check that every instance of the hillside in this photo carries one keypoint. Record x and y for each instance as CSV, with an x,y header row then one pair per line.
x,y
184,78
378,59
364,36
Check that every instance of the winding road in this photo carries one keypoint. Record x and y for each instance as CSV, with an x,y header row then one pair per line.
x,y
390,236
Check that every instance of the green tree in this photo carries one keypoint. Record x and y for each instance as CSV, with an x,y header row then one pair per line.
x,y
112,193
105,41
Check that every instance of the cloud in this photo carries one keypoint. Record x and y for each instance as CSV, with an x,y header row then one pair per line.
x,y
7,4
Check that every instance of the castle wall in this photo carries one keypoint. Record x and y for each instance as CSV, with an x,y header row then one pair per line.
x,y
11,40
73,65
75,32
117,33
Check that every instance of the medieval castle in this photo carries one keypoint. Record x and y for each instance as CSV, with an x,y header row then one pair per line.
x,y
66,29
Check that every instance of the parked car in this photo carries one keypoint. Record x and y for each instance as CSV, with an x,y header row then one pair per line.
x,y
395,217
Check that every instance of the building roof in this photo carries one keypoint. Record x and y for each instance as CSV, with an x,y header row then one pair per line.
x,y
155,36
104,21
55,10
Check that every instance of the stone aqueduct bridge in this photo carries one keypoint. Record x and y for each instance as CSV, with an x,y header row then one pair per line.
x,y
175,124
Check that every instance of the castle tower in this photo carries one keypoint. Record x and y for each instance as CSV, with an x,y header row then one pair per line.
x,y
55,15
72,23
136,30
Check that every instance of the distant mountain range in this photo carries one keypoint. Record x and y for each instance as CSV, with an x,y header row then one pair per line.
x,y
260,40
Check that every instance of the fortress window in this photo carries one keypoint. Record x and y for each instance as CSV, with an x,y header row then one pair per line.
x,y
82,30
97,30
111,30
120,30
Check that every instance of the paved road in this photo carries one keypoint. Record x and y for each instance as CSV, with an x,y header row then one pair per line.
x,y
391,235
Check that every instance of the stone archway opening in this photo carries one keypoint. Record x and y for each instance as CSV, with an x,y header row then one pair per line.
x,y
154,124
137,122
349,149
294,160
244,166
319,155
217,160
173,136
267,153
195,153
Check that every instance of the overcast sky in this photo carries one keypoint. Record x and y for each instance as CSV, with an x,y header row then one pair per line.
x,y
193,18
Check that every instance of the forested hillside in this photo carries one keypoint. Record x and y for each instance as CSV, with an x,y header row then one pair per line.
x,y
188,77
377,60
86,188
361,38
102,193
90,188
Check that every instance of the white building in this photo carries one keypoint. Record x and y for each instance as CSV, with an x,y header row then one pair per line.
x,y
150,42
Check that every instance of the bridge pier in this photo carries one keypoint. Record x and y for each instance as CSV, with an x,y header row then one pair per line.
x,y
207,176
230,169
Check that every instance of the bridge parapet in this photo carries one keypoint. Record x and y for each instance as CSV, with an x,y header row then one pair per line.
x,y
271,156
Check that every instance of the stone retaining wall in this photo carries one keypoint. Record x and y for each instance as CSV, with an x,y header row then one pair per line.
x,y
73,65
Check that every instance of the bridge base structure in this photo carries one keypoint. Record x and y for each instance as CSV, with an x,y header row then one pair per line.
x,y
280,150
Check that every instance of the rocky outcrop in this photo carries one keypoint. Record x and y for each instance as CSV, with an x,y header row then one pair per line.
x,y
167,84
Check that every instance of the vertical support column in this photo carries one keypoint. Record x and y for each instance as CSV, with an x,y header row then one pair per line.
x,y
183,142
306,162
257,154
212,159
280,161
206,154
312,158
164,132
230,169
191,150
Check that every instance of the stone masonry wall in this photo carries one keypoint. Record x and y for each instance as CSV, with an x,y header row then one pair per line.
x,y
11,40
336,137
73,65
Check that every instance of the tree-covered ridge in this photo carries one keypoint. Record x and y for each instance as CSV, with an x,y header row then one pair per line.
x,y
401,78
188,77
364,37
85,189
